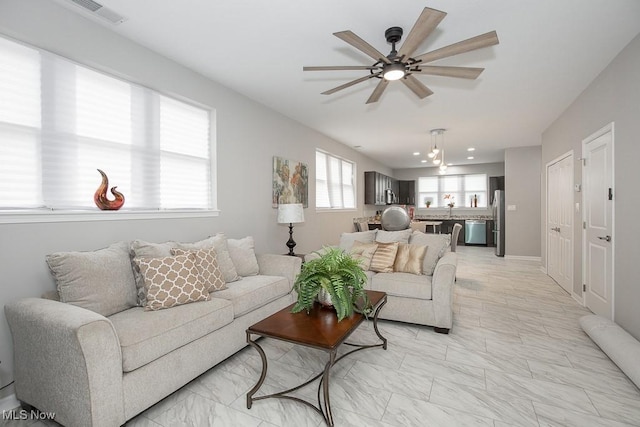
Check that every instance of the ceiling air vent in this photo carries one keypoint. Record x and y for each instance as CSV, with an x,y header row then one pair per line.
x,y
97,9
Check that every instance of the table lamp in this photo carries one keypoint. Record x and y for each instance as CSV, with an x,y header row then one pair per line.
x,y
290,214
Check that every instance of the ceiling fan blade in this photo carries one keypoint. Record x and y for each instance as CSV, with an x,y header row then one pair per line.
x,y
351,83
416,87
478,42
426,23
362,45
460,72
377,92
340,67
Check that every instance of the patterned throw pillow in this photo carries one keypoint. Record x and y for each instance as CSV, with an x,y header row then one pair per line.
x,y
384,257
364,252
208,269
171,281
409,258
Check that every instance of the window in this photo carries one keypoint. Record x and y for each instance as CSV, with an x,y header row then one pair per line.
x,y
60,121
335,182
461,188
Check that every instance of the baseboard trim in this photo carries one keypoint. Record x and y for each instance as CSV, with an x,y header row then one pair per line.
x,y
524,258
543,269
8,403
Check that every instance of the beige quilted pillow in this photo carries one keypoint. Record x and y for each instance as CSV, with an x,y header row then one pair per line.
x,y
364,252
409,258
384,257
208,269
171,281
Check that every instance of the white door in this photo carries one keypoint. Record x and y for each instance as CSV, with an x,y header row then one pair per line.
x,y
597,178
560,221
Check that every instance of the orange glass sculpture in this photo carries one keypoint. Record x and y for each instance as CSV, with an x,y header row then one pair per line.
x,y
100,197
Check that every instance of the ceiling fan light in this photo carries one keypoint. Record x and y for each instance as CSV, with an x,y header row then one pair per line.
x,y
394,71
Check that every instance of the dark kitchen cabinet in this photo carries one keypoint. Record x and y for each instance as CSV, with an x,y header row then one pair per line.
x,y
376,186
406,192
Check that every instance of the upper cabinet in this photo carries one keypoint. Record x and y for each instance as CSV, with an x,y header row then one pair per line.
x,y
380,189
406,192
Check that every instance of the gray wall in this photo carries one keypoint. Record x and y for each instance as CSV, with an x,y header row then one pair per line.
x,y
491,169
614,96
248,135
522,190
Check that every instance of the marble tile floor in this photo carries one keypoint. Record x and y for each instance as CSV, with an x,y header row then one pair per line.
x,y
516,356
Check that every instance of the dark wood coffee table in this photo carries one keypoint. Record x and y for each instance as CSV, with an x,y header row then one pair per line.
x,y
319,329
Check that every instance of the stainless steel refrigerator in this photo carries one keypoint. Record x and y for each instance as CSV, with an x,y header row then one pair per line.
x,y
498,221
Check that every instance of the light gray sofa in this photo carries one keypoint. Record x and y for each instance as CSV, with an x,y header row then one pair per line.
x,y
426,298
97,370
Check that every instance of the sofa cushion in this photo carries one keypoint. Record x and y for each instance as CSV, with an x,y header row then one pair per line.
x,y
101,281
171,281
363,252
409,258
384,257
402,285
243,256
253,292
347,239
401,236
208,270
148,335
219,242
437,245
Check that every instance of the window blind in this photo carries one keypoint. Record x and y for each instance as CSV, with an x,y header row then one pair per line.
x,y
60,122
335,186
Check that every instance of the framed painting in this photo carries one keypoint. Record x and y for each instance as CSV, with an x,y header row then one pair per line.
x,y
290,182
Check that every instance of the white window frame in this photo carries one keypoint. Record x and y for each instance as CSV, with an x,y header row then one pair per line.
x,y
441,192
35,215
341,207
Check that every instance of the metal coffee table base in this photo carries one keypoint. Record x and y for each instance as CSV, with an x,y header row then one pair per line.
x,y
324,403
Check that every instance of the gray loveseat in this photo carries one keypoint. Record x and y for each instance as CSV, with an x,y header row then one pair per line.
x,y
93,369
424,295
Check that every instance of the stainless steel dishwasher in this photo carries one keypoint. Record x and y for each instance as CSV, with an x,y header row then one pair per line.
x,y
475,232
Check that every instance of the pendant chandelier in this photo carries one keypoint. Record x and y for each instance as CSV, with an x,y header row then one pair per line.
x,y
437,149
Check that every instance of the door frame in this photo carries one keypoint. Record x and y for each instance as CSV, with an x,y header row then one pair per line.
x,y
546,219
610,127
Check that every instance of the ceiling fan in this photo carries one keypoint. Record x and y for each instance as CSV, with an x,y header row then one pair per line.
x,y
401,65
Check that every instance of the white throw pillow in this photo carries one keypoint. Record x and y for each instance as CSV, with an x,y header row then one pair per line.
x,y
101,281
347,239
401,236
219,242
243,256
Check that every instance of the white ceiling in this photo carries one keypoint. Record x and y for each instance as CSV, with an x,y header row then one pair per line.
x,y
549,51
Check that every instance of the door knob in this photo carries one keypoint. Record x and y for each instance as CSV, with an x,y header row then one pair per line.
x,y
607,238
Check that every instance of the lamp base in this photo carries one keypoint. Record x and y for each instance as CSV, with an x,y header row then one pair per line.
x,y
291,243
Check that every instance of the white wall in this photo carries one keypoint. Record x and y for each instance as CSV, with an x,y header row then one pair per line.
x,y
614,96
248,136
522,190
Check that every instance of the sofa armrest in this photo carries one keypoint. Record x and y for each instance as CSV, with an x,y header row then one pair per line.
x,y
280,265
444,276
67,360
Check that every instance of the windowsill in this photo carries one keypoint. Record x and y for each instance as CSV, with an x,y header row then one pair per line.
x,y
21,217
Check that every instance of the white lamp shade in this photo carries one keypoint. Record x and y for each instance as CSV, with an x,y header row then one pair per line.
x,y
290,213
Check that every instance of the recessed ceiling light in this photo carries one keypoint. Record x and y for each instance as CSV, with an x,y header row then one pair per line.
x,y
470,158
423,161
471,149
417,153
449,164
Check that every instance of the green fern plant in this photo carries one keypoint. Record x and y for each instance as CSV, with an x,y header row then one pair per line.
x,y
341,276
